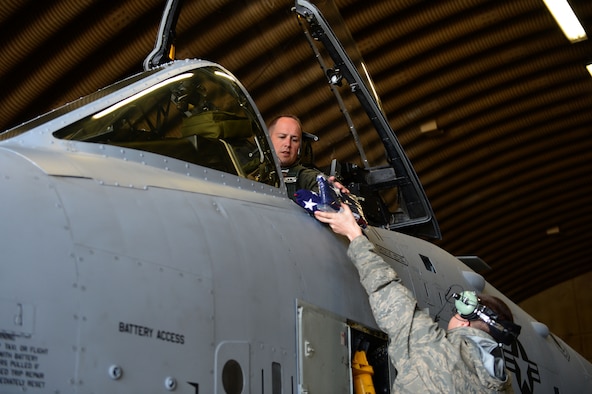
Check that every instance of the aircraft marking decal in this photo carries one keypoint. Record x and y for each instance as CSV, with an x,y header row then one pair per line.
x,y
21,365
525,370
143,331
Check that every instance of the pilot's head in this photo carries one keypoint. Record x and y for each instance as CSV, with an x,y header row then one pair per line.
x,y
494,317
286,136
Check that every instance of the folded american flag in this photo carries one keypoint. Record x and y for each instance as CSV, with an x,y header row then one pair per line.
x,y
329,199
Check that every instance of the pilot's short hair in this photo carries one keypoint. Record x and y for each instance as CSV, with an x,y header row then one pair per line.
x,y
274,120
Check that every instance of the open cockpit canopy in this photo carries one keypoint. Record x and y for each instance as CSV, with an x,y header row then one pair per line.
x,y
389,186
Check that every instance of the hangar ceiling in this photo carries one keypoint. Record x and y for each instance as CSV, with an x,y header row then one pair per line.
x,y
509,170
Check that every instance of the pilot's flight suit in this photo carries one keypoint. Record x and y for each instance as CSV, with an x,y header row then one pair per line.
x,y
427,358
299,177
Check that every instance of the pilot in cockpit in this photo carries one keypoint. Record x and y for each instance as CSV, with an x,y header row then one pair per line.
x,y
287,139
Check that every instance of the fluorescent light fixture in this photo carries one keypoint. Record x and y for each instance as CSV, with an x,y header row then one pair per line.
x,y
553,230
589,68
430,128
141,94
567,20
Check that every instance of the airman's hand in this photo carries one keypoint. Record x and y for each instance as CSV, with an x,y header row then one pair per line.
x,y
342,222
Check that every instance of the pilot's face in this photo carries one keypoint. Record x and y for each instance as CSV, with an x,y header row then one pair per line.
x,y
286,138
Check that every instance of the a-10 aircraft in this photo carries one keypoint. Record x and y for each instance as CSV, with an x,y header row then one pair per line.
x,y
149,245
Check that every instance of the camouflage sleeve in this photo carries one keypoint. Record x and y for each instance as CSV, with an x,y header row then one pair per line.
x,y
374,272
393,305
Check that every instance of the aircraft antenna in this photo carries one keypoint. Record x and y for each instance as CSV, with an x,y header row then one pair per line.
x,y
164,48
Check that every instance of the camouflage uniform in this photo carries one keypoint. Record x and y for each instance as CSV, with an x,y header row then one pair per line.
x,y
427,358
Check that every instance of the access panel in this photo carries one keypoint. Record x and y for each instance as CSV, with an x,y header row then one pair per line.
x,y
339,356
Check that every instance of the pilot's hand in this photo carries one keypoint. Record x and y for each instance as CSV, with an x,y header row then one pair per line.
x,y
342,222
338,184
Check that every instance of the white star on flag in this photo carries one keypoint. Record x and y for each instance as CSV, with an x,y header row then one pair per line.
x,y
310,204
